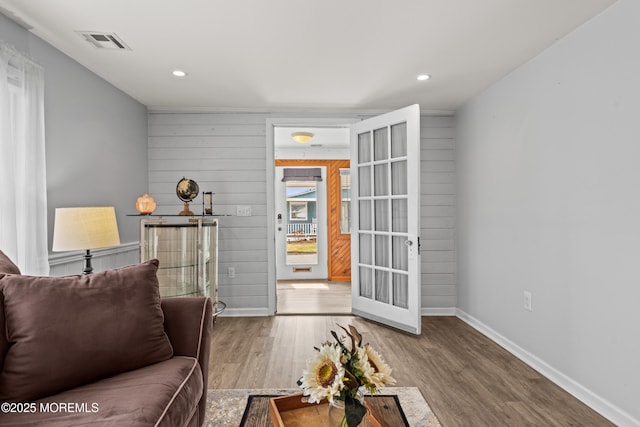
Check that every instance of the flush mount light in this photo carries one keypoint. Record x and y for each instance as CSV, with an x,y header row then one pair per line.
x,y
302,137
179,73
423,77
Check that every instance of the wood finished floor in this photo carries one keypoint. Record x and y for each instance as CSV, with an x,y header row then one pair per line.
x,y
313,297
467,379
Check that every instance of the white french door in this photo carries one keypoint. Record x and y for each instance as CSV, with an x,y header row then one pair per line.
x,y
385,243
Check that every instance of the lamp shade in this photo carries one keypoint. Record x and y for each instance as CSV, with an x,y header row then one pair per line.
x,y
85,228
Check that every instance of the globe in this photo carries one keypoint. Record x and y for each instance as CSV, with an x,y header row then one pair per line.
x,y
187,190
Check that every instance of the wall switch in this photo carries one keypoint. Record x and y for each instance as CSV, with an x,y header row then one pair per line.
x,y
231,272
527,301
243,211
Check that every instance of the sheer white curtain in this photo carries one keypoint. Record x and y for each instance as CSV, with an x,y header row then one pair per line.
x,y
23,189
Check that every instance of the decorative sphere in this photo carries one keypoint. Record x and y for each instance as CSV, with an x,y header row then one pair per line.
x,y
187,190
145,204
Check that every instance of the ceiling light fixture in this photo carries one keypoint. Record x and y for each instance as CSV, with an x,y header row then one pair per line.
x,y
423,77
179,73
302,137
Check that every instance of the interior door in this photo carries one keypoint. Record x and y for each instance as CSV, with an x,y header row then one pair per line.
x,y
301,225
385,176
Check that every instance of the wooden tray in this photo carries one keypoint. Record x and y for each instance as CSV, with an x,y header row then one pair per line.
x,y
291,411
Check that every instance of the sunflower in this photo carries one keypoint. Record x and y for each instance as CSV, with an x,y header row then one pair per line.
x,y
324,374
381,371
365,369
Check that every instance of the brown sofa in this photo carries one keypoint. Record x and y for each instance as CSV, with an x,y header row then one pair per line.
x,y
102,349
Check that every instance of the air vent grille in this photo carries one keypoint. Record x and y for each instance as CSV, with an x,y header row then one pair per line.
x,y
102,40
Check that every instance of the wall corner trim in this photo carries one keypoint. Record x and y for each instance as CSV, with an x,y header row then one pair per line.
x,y
589,398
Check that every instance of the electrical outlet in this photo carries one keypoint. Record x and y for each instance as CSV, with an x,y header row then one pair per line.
x,y
231,272
243,211
527,301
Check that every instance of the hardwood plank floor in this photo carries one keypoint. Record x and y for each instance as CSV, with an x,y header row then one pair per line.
x,y
467,379
313,297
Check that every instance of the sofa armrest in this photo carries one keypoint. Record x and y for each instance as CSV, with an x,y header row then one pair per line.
x,y
188,322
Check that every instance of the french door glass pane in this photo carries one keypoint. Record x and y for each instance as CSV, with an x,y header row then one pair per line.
x,y
382,286
366,280
380,144
400,290
381,180
399,178
364,181
365,249
399,140
400,254
364,147
382,251
399,215
382,215
364,213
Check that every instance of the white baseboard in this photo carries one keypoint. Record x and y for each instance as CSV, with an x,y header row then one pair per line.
x,y
440,311
597,403
244,312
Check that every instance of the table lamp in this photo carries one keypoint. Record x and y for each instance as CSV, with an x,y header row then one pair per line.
x,y
85,228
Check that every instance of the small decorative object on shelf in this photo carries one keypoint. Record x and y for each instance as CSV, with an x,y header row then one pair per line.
x,y
145,204
342,372
187,190
207,203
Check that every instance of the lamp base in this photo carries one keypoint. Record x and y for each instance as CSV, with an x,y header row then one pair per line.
x,y
88,268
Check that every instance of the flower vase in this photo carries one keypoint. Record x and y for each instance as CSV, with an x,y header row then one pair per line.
x,y
337,417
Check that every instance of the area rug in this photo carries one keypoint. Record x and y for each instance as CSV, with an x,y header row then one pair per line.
x,y
225,407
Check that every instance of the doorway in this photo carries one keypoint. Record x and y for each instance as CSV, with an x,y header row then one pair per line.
x,y
385,214
311,212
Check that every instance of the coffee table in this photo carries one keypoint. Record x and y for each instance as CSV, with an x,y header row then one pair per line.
x,y
226,406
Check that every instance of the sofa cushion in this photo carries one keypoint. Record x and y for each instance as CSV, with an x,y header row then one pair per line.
x,y
7,266
162,394
68,331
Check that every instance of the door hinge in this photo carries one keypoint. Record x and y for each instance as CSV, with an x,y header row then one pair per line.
x,y
419,244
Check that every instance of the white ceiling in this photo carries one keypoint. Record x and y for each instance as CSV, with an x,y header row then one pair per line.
x,y
322,55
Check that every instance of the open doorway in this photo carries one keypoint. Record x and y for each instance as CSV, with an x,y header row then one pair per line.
x,y
313,258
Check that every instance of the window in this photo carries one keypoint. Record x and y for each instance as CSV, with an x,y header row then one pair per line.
x,y
345,201
23,211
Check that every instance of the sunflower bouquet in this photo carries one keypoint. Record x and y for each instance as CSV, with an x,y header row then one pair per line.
x,y
342,372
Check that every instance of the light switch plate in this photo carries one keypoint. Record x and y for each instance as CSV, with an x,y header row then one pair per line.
x,y
243,211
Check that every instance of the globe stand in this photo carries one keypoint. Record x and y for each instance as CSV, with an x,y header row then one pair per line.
x,y
186,210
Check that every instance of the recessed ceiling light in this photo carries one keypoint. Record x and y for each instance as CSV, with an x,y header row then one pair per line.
x,y
423,77
179,73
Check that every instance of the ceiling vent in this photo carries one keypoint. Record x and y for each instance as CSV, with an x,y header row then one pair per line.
x,y
104,40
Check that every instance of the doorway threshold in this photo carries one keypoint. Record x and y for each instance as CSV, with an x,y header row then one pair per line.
x,y
313,297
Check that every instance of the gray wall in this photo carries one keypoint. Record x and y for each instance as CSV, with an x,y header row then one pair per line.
x,y
548,178
96,136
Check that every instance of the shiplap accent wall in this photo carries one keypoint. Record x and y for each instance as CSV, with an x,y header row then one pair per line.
x,y
226,153
437,214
